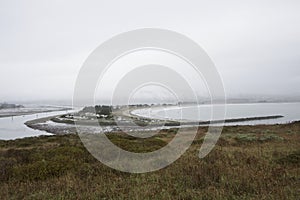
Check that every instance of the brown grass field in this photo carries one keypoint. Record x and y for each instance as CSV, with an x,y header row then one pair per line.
x,y
248,162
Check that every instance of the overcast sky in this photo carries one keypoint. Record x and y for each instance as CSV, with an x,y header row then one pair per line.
x,y
255,45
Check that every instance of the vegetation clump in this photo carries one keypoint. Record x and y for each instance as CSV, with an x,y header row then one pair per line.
x,y
98,110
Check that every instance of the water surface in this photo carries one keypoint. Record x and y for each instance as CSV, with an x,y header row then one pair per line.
x,y
289,111
14,127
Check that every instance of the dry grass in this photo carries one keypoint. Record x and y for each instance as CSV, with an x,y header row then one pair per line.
x,y
259,162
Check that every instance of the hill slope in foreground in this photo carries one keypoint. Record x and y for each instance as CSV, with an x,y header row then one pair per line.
x,y
248,162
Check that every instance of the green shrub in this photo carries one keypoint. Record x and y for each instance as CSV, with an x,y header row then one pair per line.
x,y
246,137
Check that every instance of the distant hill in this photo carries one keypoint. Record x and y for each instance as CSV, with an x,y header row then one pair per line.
x,y
10,105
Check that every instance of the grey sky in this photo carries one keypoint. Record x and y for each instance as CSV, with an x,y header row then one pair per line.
x,y
254,44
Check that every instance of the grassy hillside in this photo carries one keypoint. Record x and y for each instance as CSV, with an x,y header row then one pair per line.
x,y
259,162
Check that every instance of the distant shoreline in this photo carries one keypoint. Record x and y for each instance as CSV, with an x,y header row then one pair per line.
x,y
20,113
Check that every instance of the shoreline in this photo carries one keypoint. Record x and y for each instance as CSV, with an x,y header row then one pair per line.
x,y
22,113
58,126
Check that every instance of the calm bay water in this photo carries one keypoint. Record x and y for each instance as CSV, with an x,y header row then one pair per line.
x,y
289,111
14,127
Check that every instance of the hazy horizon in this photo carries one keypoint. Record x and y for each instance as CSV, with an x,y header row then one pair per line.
x,y
255,45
